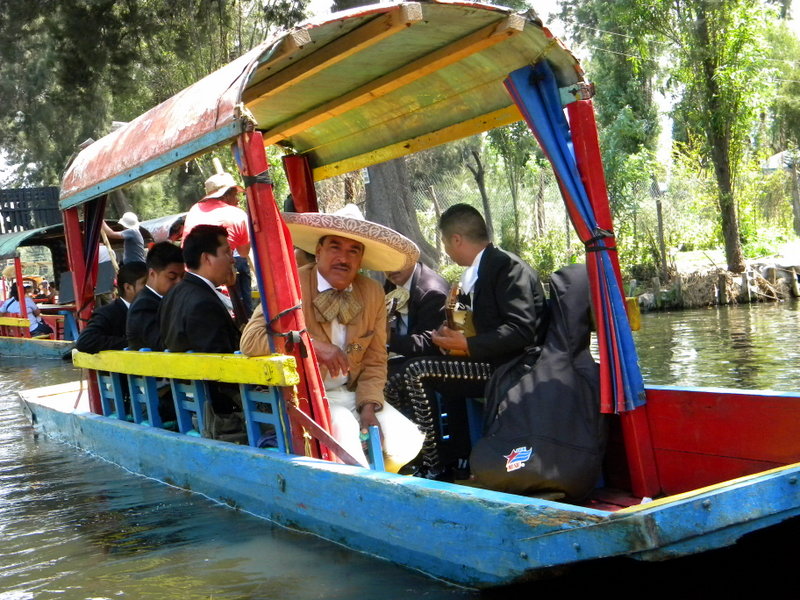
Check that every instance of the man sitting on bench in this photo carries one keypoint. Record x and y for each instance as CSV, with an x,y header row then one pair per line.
x,y
106,328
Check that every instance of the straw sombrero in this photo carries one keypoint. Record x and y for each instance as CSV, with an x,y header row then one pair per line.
x,y
384,248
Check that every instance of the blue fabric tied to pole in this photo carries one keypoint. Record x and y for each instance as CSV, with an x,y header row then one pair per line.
x,y
535,91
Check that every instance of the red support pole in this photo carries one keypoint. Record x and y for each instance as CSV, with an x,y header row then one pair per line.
x,y
84,278
279,284
301,183
635,425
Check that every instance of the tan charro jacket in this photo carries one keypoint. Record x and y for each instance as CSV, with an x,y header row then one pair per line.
x,y
366,335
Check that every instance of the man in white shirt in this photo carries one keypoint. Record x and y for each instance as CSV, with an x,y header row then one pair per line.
x,y
345,315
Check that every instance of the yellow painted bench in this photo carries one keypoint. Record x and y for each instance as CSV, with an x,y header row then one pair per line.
x,y
273,370
14,322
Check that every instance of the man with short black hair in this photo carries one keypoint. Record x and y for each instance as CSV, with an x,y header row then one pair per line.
x,y
164,270
192,317
506,304
502,291
106,328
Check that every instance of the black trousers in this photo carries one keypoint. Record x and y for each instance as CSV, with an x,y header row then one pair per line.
x,y
431,391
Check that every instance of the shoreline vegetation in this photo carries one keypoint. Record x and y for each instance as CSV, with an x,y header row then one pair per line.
x,y
698,283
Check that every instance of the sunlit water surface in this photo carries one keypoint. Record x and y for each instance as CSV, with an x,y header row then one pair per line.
x,y
741,346
74,526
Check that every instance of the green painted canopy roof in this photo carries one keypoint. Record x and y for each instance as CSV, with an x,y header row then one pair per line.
x,y
10,242
357,88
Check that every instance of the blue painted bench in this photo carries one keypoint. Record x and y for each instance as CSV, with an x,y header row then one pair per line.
x,y
188,375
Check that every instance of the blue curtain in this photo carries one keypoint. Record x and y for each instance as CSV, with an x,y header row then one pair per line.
x,y
535,91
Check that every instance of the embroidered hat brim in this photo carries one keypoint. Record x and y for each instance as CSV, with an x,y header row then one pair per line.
x,y
384,248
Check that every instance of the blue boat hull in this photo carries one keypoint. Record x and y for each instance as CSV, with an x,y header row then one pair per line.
x,y
16,346
469,536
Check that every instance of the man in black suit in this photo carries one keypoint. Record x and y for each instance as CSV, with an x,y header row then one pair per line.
x,y
420,295
164,271
106,328
192,316
502,291
506,300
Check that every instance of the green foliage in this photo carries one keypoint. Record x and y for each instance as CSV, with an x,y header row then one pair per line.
x,y
548,253
68,68
625,73
784,56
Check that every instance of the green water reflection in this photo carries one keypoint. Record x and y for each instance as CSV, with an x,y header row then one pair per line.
x,y
747,346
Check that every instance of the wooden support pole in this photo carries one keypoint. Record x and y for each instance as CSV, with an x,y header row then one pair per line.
x,y
746,288
276,271
722,289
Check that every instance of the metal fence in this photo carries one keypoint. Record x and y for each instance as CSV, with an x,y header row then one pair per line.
x,y
28,208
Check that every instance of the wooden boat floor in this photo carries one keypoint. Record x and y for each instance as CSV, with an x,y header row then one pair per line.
x,y
72,396
607,499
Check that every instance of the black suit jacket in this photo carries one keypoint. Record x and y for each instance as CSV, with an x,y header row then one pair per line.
x,y
105,330
428,295
143,329
192,317
507,308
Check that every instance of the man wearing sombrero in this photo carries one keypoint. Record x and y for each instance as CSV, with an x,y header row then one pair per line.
x,y
345,315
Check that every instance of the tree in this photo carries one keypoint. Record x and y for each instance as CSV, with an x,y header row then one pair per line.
x,y
718,52
70,67
625,71
514,144
479,174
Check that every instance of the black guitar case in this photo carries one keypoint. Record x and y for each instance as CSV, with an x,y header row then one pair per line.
x,y
543,431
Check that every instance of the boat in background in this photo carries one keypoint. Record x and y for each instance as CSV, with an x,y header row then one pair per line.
x,y
687,470
15,339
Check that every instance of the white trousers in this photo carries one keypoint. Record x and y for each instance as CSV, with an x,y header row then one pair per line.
x,y
402,439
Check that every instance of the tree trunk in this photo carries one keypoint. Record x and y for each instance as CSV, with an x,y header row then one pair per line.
x,y
794,175
514,199
389,203
480,179
718,136
438,212
349,188
120,202
539,208
662,247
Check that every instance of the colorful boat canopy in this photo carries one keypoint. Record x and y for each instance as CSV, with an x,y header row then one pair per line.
x,y
360,88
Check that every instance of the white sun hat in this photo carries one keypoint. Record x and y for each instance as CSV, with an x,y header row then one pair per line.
x,y
129,221
384,248
218,184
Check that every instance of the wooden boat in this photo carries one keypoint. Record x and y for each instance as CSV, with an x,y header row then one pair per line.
x,y
15,338
343,93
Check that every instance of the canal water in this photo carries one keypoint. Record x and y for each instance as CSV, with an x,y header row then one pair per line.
x,y
73,526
